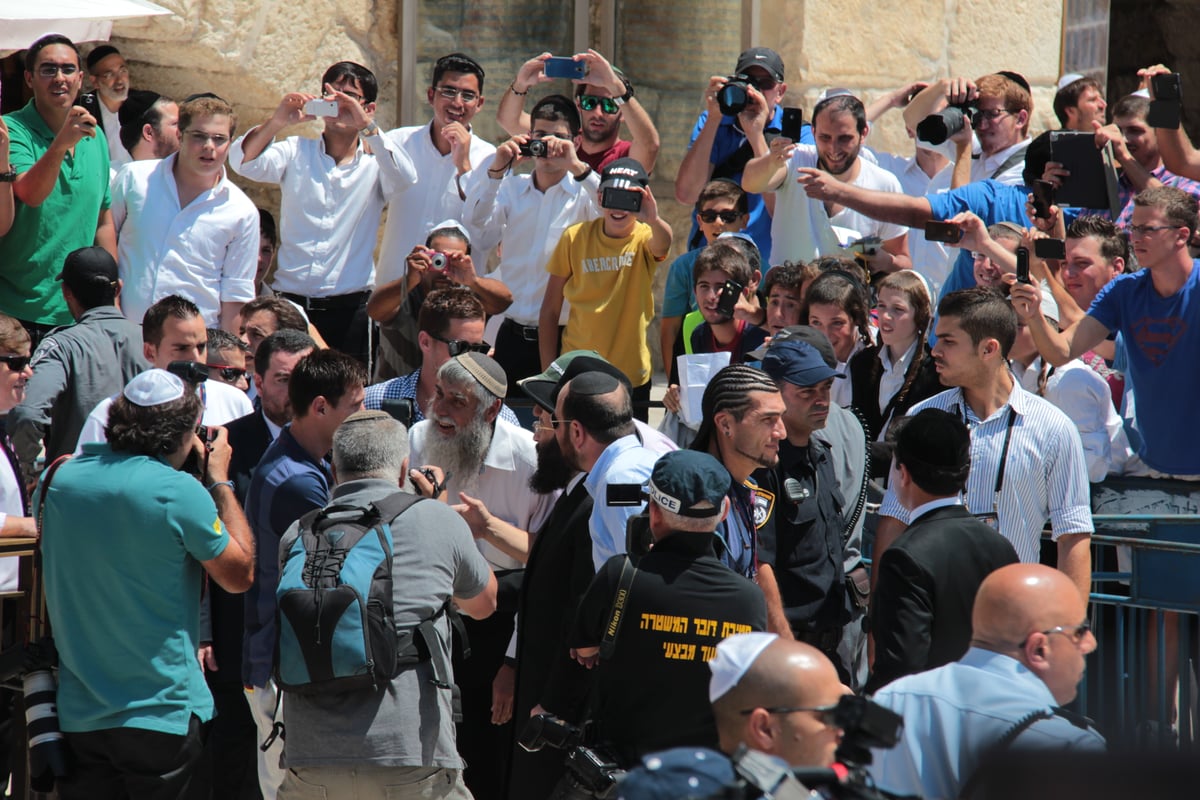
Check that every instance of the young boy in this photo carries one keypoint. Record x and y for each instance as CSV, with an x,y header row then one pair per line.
x,y
722,261
605,269
784,289
720,207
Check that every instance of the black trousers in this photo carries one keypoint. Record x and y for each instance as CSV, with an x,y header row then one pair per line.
x,y
520,357
342,324
132,763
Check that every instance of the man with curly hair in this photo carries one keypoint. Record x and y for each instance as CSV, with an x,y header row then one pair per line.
x,y
126,540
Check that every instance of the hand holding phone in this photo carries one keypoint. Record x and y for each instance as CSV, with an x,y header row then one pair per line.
x,y
1023,265
946,232
321,108
730,292
1043,198
564,67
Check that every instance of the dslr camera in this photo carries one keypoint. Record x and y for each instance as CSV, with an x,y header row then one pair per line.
x,y
591,773
534,148
734,95
937,128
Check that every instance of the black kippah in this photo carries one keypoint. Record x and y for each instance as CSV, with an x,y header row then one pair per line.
x,y
593,383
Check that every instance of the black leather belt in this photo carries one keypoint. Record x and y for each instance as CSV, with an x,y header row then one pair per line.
x,y
527,332
334,303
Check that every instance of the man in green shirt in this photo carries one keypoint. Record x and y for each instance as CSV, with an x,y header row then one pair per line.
x,y
61,187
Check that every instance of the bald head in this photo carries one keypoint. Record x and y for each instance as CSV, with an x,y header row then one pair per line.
x,y
1035,614
786,674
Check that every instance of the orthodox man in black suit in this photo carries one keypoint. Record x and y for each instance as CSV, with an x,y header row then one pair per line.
x,y
921,608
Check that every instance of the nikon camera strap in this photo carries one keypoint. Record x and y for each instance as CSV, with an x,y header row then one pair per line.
x,y
617,613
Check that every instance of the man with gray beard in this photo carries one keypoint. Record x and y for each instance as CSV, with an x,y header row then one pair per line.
x,y
485,465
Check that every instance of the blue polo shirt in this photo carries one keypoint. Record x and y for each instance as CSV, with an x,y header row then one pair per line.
x,y
989,200
287,484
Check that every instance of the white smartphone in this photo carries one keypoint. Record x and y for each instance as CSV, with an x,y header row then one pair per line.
x,y
321,108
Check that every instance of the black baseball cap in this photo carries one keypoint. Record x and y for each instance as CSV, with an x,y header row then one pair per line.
x,y
763,57
624,173
88,266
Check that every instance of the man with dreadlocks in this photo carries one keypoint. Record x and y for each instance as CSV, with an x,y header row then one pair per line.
x,y
742,428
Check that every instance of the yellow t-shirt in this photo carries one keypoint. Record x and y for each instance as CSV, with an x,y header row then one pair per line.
x,y
610,288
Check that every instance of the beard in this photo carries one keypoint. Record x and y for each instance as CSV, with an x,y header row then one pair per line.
x,y
553,472
461,455
598,136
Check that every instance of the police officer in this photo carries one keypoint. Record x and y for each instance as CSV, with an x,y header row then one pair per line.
x,y
803,551
656,625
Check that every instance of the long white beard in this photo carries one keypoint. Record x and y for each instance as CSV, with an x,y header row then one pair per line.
x,y
461,455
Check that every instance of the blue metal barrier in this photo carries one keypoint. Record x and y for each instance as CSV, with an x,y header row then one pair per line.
x,y
1151,598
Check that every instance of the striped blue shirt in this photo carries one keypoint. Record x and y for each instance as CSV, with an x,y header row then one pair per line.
x,y
1046,476
406,387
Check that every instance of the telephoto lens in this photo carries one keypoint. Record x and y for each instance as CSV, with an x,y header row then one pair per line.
x,y
47,757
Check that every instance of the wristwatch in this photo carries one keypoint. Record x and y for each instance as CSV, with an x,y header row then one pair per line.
x,y
371,129
8,177
625,98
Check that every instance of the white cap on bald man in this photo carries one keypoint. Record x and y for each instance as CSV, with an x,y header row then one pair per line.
x,y
734,656
153,388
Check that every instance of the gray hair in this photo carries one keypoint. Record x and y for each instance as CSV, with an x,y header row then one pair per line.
x,y
455,374
678,522
370,447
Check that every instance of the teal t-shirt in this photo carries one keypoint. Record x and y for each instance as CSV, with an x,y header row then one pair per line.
x,y
122,541
32,252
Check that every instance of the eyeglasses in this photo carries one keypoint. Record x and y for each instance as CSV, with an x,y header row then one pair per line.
x,y
51,70
451,93
1145,230
588,102
991,115
725,216
229,373
1076,634
201,138
458,346
355,97
16,363
112,74
824,713
555,422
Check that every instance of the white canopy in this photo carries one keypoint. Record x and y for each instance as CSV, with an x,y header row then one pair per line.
x,y
23,21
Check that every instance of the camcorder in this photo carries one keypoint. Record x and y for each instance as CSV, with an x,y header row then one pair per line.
x,y
638,539
534,148
734,95
592,772
865,724
940,126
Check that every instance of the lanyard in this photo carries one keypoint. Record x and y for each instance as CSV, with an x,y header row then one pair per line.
x,y
1012,420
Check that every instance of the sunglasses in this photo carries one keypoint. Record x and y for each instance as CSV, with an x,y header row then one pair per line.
x,y
228,373
826,714
588,102
725,216
16,363
457,346
1076,633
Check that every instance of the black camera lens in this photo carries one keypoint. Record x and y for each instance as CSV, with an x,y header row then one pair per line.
x,y
937,128
733,97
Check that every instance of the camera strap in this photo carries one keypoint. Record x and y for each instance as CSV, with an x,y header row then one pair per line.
x,y
617,613
40,512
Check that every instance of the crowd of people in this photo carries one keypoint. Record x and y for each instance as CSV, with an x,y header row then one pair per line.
x,y
195,397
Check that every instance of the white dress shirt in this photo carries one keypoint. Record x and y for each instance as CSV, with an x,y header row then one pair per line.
x,y
329,214
530,223
206,251
931,259
983,167
426,194
891,380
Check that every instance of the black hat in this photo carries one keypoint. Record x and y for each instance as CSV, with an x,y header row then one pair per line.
x,y
624,173
99,53
544,388
763,57
88,266
936,439
131,111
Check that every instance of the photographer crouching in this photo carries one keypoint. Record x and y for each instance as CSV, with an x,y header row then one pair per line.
x,y
126,540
